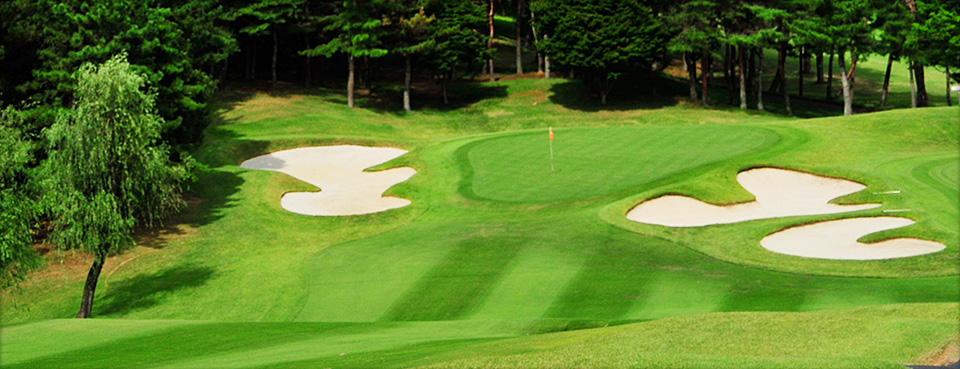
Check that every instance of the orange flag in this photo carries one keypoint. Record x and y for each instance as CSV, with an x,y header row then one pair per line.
x,y
550,129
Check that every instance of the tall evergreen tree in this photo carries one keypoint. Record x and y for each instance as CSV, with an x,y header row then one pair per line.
x,y
266,17
168,42
357,29
605,39
413,37
699,34
460,43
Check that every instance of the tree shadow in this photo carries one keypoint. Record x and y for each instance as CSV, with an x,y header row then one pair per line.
x,y
628,93
146,290
425,95
211,196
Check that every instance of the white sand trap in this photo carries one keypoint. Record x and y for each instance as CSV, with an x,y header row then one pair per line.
x,y
338,171
778,192
837,239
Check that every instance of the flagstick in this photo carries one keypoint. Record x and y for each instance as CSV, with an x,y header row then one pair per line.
x,y
551,150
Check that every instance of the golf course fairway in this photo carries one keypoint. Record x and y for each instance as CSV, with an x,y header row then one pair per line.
x,y
497,262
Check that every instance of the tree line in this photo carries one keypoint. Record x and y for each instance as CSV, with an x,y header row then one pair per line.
x,y
161,61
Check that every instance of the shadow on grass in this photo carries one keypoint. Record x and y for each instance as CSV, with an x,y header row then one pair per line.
x,y
628,93
425,95
212,196
384,95
146,290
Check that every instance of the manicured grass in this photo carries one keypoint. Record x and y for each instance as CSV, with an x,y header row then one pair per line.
x,y
494,247
592,162
866,337
873,337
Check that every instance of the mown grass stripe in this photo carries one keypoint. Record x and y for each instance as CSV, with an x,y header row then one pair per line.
x,y
171,346
458,284
531,285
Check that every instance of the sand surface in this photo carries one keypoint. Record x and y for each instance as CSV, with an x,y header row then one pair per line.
x,y
837,239
345,189
778,192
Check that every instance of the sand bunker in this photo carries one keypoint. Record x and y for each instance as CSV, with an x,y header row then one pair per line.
x,y
778,192
338,172
837,239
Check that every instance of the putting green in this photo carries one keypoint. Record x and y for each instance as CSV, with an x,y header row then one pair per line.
x,y
599,161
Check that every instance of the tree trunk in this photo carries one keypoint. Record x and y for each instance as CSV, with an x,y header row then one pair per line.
x,y
369,74
751,68
443,90
800,72
886,82
845,82
783,78
606,84
223,71
350,80
519,46
309,71
246,62
306,40
830,76
760,79
546,61
490,42
726,72
90,286
406,83
536,42
913,88
705,71
807,62
743,80
692,73
922,99
775,83
949,100
819,67
273,65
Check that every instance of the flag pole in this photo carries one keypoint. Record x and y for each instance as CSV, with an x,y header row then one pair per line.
x,y
551,149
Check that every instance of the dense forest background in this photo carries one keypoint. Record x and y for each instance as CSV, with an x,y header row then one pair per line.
x,y
186,49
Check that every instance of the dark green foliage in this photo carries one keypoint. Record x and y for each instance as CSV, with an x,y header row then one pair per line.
x,y
938,34
17,205
105,175
263,17
603,38
460,44
413,34
356,30
167,41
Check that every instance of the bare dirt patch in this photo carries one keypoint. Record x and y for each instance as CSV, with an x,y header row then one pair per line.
x,y
942,356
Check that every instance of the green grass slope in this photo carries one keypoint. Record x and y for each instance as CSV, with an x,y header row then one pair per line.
x,y
494,247
874,337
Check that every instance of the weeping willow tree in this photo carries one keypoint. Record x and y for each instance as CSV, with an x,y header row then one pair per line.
x,y
107,175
